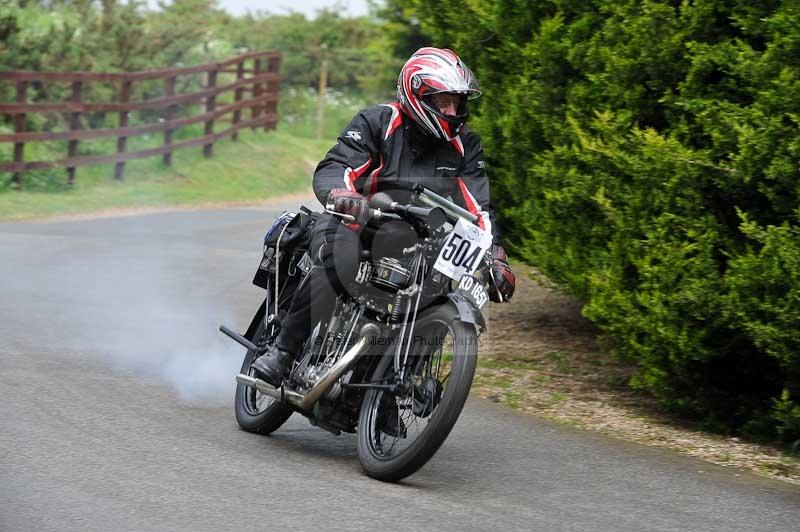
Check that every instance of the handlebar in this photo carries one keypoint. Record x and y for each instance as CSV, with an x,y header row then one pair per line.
x,y
434,217
433,199
438,211
430,198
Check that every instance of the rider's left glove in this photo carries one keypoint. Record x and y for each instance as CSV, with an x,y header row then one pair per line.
x,y
351,203
504,279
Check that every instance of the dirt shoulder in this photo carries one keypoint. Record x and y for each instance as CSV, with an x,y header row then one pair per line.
x,y
541,356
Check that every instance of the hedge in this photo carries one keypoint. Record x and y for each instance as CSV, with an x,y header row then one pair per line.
x,y
646,154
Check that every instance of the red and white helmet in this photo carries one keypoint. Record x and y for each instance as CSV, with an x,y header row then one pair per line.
x,y
432,71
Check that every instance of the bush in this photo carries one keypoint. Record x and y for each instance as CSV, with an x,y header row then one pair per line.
x,y
646,155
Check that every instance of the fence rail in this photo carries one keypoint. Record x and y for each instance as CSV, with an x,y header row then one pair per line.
x,y
261,81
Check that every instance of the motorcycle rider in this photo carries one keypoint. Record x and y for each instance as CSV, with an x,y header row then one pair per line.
x,y
421,134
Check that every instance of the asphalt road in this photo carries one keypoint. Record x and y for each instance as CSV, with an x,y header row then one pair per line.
x,y
116,414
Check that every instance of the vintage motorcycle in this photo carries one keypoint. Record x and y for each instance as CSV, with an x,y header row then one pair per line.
x,y
396,359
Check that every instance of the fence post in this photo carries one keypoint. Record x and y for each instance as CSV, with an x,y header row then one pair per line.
x,y
169,111
122,141
74,125
211,103
19,127
273,88
255,111
237,114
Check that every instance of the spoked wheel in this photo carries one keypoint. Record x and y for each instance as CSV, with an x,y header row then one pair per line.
x,y
399,432
255,411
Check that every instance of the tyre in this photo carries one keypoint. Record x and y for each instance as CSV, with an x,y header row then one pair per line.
x,y
255,411
398,433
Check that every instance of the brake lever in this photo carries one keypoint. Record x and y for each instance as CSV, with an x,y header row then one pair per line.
x,y
347,217
376,214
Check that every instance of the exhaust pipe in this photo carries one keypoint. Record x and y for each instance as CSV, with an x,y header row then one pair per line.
x,y
281,394
368,331
306,402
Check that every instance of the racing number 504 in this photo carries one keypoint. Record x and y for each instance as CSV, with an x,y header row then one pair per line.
x,y
460,254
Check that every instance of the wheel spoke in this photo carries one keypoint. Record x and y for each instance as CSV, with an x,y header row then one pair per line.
x,y
435,364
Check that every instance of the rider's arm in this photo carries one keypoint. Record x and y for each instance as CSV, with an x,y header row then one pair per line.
x,y
474,184
356,152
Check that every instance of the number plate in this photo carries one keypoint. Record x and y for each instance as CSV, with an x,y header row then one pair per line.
x,y
473,290
463,249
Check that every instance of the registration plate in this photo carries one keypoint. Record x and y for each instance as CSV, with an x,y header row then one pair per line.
x,y
471,288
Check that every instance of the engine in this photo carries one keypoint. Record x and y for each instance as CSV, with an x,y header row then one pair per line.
x,y
389,274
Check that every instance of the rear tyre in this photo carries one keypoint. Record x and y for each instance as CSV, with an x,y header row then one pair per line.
x,y
256,412
399,433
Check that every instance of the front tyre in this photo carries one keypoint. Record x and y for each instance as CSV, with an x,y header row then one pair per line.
x,y
255,411
398,433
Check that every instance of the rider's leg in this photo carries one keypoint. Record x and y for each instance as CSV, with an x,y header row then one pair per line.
x,y
336,250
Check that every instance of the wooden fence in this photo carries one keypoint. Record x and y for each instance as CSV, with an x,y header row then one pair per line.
x,y
256,73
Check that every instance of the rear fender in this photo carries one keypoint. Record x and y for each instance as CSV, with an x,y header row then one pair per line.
x,y
260,313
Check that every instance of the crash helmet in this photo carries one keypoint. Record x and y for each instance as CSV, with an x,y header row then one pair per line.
x,y
430,72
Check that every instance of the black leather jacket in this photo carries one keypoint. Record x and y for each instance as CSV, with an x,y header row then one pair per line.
x,y
381,143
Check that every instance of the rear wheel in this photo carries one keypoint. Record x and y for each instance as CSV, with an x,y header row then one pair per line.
x,y
255,411
399,432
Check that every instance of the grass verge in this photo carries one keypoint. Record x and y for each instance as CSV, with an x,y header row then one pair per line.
x,y
260,165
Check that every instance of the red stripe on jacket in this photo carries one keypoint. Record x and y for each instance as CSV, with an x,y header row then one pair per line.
x,y
472,205
351,175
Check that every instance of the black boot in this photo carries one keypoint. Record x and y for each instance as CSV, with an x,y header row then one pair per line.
x,y
272,365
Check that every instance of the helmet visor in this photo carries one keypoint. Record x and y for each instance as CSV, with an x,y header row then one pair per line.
x,y
446,103
466,84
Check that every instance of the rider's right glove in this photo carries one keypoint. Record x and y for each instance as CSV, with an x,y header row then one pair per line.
x,y
349,202
503,276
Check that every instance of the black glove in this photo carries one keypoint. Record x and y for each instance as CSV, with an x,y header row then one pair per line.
x,y
349,202
502,289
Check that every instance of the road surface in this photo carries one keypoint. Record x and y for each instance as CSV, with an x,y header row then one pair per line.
x,y
116,413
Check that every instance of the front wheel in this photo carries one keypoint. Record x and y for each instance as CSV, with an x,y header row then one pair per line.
x,y
399,432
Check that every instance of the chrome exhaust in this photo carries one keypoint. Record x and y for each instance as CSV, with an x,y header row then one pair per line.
x,y
367,332
306,402
281,394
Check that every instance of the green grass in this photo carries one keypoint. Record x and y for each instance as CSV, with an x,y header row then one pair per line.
x,y
509,395
258,166
494,363
561,361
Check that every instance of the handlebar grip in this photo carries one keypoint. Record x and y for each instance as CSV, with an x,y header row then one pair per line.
x,y
411,210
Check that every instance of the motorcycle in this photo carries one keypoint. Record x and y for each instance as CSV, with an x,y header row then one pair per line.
x,y
395,361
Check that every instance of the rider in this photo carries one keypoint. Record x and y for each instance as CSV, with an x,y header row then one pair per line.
x,y
421,134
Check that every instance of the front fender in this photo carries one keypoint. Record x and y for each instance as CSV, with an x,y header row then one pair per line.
x,y
467,312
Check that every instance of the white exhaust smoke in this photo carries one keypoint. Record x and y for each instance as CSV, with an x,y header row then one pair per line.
x,y
154,309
